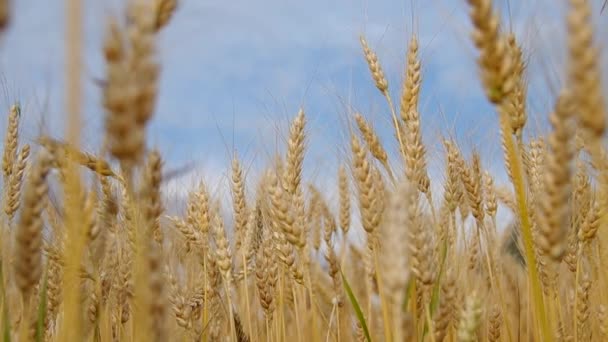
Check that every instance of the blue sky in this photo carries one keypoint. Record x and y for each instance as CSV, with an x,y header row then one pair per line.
x,y
235,72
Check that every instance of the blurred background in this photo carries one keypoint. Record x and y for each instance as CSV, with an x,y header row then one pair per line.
x,y
234,73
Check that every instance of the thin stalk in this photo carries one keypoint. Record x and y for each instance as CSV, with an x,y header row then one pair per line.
x,y
518,185
338,325
312,301
429,321
246,286
205,315
601,275
412,302
281,312
295,299
577,278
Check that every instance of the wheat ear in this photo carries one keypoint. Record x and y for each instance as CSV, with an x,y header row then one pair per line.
x,y
28,265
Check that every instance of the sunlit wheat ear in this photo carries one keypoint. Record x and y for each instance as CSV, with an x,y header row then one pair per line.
x,y
374,66
494,61
344,193
250,244
90,161
11,138
334,273
129,211
299,212
266,275
589,228
222,250
315,217
372,140
473,252
295,154
193,237
199,215
164,10
453,192
177,299
582,308
584,74
286,249
415,153
571,254
421,244
256,221
412,81
516,106
241,214
11,201
54,290
460,165
582,192
534,156
413,149
554,210
471,178
489,193
369,205
281,211
28,257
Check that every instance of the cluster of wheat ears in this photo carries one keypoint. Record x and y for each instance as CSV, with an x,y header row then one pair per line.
x,y
104,262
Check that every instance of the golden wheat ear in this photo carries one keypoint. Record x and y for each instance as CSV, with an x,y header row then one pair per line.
x,y
412,82
239,204
11,141
28,265
164,12
494,61
344,193
584,70
372,140
374,66
11,202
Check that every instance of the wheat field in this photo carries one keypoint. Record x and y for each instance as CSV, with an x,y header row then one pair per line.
x,y
105,261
